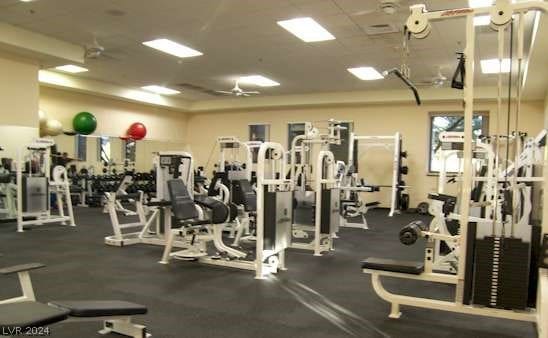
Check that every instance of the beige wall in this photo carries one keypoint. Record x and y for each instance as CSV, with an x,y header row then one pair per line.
x,y
18,104
166,129
410,120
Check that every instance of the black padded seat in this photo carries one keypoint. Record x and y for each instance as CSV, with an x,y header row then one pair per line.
x,y
393,265
372,204
159,204
100,308
193,222
29,314
132,196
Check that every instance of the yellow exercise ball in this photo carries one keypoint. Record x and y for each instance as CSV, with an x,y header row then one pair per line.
x,y
52,128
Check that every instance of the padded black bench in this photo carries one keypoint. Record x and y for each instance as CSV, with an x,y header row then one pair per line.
x,y
24,312
393,265
23,315
99,308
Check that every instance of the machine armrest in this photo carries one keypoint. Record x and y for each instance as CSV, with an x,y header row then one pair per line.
x,y
21,268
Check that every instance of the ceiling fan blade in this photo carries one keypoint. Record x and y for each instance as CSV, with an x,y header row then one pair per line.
x,y
252,92
224,92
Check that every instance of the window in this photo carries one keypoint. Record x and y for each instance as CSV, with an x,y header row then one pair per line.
x,y
294,130
258,132
340,151
440,122
104,149
128,149
80,147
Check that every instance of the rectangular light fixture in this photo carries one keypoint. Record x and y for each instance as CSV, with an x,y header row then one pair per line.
x,y
306,29
482,20
366,73
493,66
479,3
161,90
258,80
172,47
71,69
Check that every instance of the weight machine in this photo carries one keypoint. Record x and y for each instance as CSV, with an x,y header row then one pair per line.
x,y
352,185
316,210
34,186
495,274
168,165
7,192
202,219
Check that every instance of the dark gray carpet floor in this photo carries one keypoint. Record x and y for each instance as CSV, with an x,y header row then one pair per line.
x,y
317,297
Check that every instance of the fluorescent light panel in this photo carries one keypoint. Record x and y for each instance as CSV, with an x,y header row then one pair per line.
x,y
482,20
479,3
366,73
493,66
71,69
306,29
172,47
161,90
258,80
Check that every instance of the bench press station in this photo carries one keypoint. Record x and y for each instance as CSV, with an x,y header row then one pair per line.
x,y
23,315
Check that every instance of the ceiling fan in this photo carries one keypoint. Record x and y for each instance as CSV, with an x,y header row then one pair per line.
x,y
436,81
237,91
95,51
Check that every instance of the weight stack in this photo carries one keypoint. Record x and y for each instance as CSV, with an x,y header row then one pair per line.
x,y
501,275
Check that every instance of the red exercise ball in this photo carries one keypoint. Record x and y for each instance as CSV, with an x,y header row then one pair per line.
x,y
137,131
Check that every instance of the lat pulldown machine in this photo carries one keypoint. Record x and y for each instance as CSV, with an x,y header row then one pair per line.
x,y
494,268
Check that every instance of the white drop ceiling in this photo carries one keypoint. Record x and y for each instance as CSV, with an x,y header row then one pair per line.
x,y
241,37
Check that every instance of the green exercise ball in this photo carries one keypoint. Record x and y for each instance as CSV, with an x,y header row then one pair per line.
x,y
84,123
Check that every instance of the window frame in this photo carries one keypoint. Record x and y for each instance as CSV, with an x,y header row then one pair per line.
x,y
290,141
350,131
457,113
125,144
255,151
80,149
100,149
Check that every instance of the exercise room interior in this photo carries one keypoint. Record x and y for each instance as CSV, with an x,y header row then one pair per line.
x,y
299,168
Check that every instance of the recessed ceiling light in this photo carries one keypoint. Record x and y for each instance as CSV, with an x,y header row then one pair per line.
x,y
493,66
366,73
71,69
306,29
258,80
479,3
173,48
26,0
161,90
482,20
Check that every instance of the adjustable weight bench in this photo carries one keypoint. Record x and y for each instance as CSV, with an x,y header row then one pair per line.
x,y
23,313
378,267
392,265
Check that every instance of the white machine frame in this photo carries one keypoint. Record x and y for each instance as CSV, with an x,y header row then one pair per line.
x,y
321,242
60,186
148,230
390,142
266,261
419,25
312,136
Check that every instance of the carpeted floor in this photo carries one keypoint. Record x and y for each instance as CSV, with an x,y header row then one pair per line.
x,y
317,297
